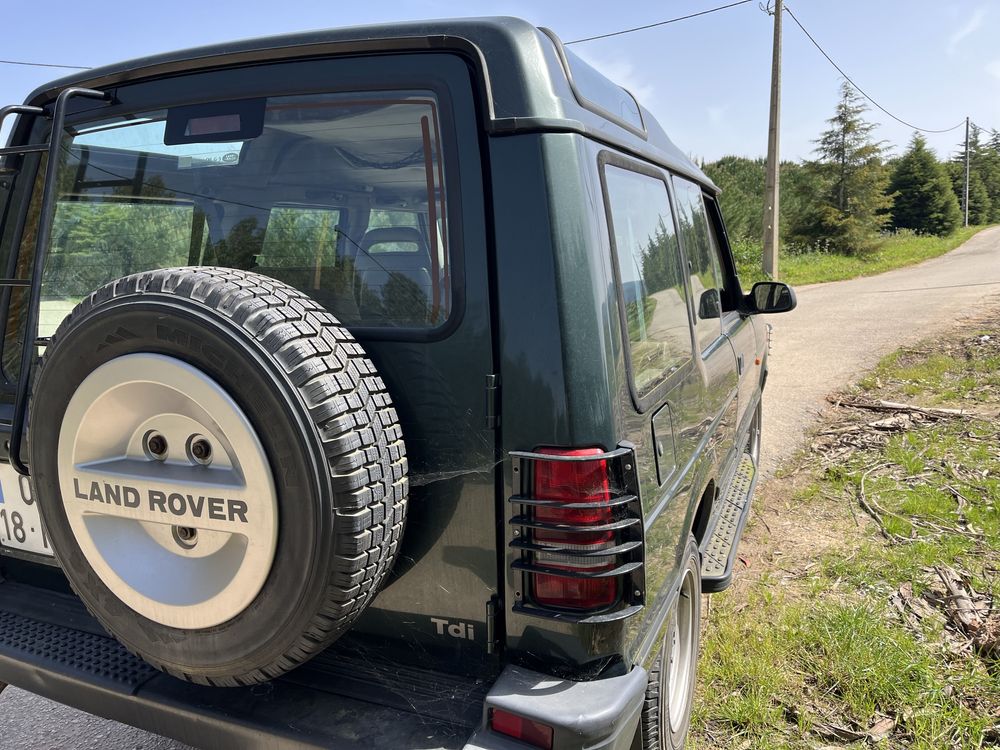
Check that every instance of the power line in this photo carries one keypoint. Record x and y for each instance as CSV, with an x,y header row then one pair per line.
x,y
981,128
861,90
658,23
43,65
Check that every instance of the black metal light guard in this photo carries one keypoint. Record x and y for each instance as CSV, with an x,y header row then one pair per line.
x,y
626,553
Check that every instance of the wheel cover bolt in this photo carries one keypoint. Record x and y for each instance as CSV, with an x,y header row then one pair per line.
x,y
201,449
156,446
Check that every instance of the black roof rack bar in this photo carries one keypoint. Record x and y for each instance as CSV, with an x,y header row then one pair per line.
x,y
31,148
19,109
42,232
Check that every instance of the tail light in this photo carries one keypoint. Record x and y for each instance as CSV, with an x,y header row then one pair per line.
x,y
528,731
579,533
571,531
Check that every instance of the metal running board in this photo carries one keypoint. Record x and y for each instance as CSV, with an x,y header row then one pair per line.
x,y
719,550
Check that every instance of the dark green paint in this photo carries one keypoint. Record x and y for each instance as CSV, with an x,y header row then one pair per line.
x,y
540,309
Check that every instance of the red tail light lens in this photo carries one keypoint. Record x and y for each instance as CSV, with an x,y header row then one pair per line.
x,y
575,593
532,732
573,482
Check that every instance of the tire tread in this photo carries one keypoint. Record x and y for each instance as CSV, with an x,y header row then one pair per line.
x,y
354,420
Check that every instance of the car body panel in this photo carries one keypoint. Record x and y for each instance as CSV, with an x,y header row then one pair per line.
x,y
536,355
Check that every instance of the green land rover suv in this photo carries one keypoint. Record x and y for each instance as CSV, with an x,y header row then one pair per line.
x,y
385,387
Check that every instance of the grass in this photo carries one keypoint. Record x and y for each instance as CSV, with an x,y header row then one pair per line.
x,y
807,643
894,251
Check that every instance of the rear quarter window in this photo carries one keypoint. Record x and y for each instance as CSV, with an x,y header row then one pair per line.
x,y
649,269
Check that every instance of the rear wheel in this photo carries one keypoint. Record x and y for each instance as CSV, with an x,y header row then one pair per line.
x,y
666,715
220,469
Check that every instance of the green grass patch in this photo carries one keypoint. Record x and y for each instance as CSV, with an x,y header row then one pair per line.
x,y
776,671
784,660
961,374
894,251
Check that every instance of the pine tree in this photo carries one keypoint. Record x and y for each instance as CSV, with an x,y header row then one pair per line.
x,y
984,168
980,205
851,205
976,146
988,167
924,199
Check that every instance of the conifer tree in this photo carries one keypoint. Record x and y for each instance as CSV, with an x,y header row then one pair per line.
x,y
851,203
980,205
984,166
924,199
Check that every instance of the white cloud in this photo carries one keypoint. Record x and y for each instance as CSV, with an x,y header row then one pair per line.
x,y
993,68
971,27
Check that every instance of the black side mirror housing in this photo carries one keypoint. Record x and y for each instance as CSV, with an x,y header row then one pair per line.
x,y
770,297
709,305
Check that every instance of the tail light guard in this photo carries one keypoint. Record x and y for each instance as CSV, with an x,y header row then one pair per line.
x,y
577,534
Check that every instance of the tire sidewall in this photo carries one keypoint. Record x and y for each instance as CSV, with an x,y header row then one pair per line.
x,y
180,328
670,739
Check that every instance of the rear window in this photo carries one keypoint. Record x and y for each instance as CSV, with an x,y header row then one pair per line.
x,y
649,267
339,195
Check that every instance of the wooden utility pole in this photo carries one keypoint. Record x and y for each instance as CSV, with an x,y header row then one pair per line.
x,y
965,203
771,179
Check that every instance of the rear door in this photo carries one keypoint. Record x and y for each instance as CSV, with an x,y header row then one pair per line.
x,y
362,187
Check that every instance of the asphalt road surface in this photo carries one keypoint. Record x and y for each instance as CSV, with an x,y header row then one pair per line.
x,y
838,331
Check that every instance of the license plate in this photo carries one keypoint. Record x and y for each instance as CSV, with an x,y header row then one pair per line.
x,y
20,527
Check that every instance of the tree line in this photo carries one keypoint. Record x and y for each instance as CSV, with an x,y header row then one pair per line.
x,y
854,191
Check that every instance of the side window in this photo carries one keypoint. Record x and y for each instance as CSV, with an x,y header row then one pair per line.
x,y
703,258
652,281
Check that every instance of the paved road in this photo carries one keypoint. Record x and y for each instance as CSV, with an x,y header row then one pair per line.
x,y
840,330
28,722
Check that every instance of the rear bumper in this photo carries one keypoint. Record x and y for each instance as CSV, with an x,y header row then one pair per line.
x,y
596,715
49,646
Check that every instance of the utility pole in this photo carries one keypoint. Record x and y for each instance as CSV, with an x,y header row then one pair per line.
x,y
771,179
966,201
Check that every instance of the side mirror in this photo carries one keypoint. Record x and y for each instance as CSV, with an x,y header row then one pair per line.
x,y
771,297
709,305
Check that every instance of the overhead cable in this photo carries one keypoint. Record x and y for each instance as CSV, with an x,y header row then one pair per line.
x,y
43,65
658,23
861,90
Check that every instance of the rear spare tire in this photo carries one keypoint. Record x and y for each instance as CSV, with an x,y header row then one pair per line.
x,y
220,469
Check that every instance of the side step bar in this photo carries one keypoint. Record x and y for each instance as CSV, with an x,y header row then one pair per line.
x,y
718,554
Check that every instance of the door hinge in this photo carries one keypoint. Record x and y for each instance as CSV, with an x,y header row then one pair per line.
x,y
492,606
492,402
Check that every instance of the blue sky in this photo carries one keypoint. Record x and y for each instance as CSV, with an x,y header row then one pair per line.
x,y
706,79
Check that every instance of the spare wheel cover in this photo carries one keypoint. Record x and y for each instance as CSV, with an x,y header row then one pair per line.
x,y
236,562
183,542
